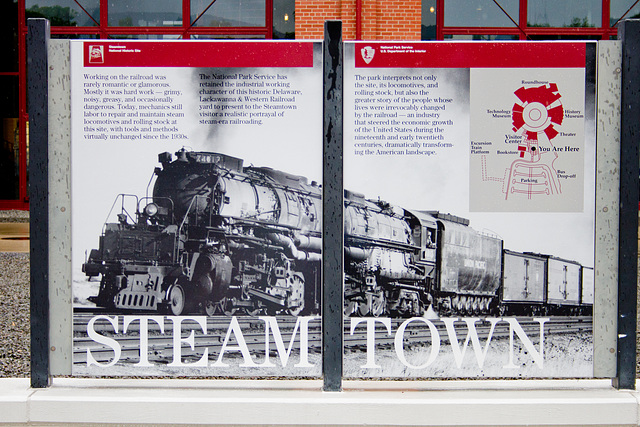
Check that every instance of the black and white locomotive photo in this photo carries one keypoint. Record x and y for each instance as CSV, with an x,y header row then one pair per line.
x,y
218,237
215,237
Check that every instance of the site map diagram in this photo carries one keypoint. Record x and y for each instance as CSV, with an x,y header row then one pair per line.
x,y
527,141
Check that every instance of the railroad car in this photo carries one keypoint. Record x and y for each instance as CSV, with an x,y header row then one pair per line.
x,y
587,291
469,265
524,282
563,285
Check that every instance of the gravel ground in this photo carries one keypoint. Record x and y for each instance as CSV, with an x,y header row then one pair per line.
x,y
14,315
14,306
14,216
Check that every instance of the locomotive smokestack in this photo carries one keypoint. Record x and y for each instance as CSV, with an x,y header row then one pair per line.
x,y
165,157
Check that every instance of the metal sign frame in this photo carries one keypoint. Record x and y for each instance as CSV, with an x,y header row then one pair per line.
x,y
616,212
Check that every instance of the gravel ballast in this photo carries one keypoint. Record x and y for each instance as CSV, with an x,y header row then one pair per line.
x,y
14,315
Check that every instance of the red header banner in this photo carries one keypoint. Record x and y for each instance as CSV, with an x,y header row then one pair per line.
x,y
469,55
197,54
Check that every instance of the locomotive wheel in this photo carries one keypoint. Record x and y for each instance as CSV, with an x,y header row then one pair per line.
x,y
467,305
227,307
475,306
374,304
378,304
210,308
351,309
485,305
445,305
455,304
177,300
296,298
502,310
253,311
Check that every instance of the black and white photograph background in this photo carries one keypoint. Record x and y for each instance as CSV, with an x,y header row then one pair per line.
x,y
123,117
407,148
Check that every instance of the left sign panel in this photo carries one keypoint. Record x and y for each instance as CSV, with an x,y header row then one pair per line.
x,y
196,211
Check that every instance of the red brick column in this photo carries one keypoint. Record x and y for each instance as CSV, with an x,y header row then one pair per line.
x,y
381,19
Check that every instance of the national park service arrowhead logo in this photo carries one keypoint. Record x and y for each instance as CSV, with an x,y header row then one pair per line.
x,y
96,54
367,53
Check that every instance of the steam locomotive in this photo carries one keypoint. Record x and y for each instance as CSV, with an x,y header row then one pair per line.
x,y
215,236
219,237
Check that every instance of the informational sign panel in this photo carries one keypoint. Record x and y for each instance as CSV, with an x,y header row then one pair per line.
x,y
468,215
196,213
469,220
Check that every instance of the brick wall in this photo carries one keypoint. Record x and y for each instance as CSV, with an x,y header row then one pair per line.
x,y
380,19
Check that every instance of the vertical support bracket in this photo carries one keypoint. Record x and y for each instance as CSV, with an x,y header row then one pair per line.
x,y
332,209
37,86
629,33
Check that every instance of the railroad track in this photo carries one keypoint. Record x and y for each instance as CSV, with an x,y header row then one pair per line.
x,y
161,342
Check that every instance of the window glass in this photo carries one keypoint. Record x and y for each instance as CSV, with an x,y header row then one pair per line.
x,y
9,36
284,23
564,13
621,9
228,13
226,36
74,36
9,145
146,36
563,37
480,13
480,37
65,13
145,13
428,28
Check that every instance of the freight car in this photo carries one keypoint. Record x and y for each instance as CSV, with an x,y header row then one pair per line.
x,y
220,237
563,285
538,284
524,284
587,285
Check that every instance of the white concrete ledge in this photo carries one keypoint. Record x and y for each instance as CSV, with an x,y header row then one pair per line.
x,y
303,403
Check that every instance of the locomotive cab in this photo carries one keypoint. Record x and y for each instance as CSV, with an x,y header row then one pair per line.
x,y
424,235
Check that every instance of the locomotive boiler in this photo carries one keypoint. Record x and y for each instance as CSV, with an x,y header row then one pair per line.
x,y
215,236
388,266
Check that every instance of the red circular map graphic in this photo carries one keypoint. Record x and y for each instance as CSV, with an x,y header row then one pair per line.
x,y
538,111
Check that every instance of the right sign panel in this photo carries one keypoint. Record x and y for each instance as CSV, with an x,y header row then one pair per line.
x,y
469,210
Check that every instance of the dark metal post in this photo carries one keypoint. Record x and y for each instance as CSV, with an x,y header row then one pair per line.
x,y
332,209
629,33
37,87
